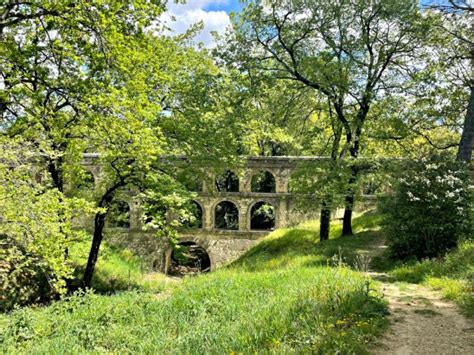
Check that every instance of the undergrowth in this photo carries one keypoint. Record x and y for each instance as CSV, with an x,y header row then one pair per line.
x,y
321,309
117,269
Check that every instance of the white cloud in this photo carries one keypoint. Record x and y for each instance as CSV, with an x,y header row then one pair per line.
x,y
194,11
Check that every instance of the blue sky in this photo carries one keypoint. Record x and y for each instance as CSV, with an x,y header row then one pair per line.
x,y
214,14
227,6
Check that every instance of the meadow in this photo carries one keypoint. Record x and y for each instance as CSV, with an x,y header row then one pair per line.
x,y
288,294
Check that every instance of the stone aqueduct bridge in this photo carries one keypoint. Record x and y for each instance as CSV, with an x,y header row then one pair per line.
x,y
225,245
222,245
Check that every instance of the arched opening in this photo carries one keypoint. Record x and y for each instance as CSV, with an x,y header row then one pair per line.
x,y
262,216
227,182
193,217
189,258
264,181
226,216
119,214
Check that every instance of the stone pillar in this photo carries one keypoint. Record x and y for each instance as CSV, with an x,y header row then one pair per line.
x,y
244,221
282,180
282,213
208,183
245,181
207,215
135,213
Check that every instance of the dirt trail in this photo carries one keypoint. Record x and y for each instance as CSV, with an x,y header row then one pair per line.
x,y
422,323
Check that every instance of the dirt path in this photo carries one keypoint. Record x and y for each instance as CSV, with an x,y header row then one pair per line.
x,y
422,323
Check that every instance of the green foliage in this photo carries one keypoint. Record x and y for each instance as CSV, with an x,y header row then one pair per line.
x,y
302,307
429,209
35,230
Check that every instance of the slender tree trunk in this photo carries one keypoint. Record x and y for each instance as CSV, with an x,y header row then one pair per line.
x,y
325,215
467,137
350,196
349,204
324,222
99,224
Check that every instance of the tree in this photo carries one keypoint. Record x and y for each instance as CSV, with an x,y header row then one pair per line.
x,y
53,59
102,78
168,100
458,16
353,53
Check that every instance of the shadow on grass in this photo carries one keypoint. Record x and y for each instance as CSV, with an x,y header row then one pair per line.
x,y
104,283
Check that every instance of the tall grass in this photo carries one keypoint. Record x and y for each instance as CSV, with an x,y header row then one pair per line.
x,y
117,269
281,297
295,310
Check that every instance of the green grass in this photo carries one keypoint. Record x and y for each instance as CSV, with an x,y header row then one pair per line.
x,y
294,310
300,246
281,297
116,270
452,275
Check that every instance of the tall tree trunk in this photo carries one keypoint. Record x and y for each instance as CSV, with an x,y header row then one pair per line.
x,y
99,225
467,137
349,205
350,196
55,168
324,222
325,215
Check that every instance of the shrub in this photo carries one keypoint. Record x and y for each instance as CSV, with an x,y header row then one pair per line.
x,y
35,231
428,210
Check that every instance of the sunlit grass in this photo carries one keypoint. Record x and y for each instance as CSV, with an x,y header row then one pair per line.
x,y
300,245
281,297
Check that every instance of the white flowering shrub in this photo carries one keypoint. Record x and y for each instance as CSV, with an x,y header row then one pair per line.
x,y
429,209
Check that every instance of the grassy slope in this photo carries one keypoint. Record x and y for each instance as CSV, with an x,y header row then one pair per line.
x,y
280,297
300,247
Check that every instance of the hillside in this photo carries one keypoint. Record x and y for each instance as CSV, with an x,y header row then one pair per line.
x,y
307,303
289,293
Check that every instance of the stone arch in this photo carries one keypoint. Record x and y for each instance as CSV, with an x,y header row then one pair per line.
x,y
227,182
263,181
118,214
226,215
189,257
262,216
196,211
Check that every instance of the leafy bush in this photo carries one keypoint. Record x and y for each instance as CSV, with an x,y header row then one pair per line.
x,y
35,230
428,210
